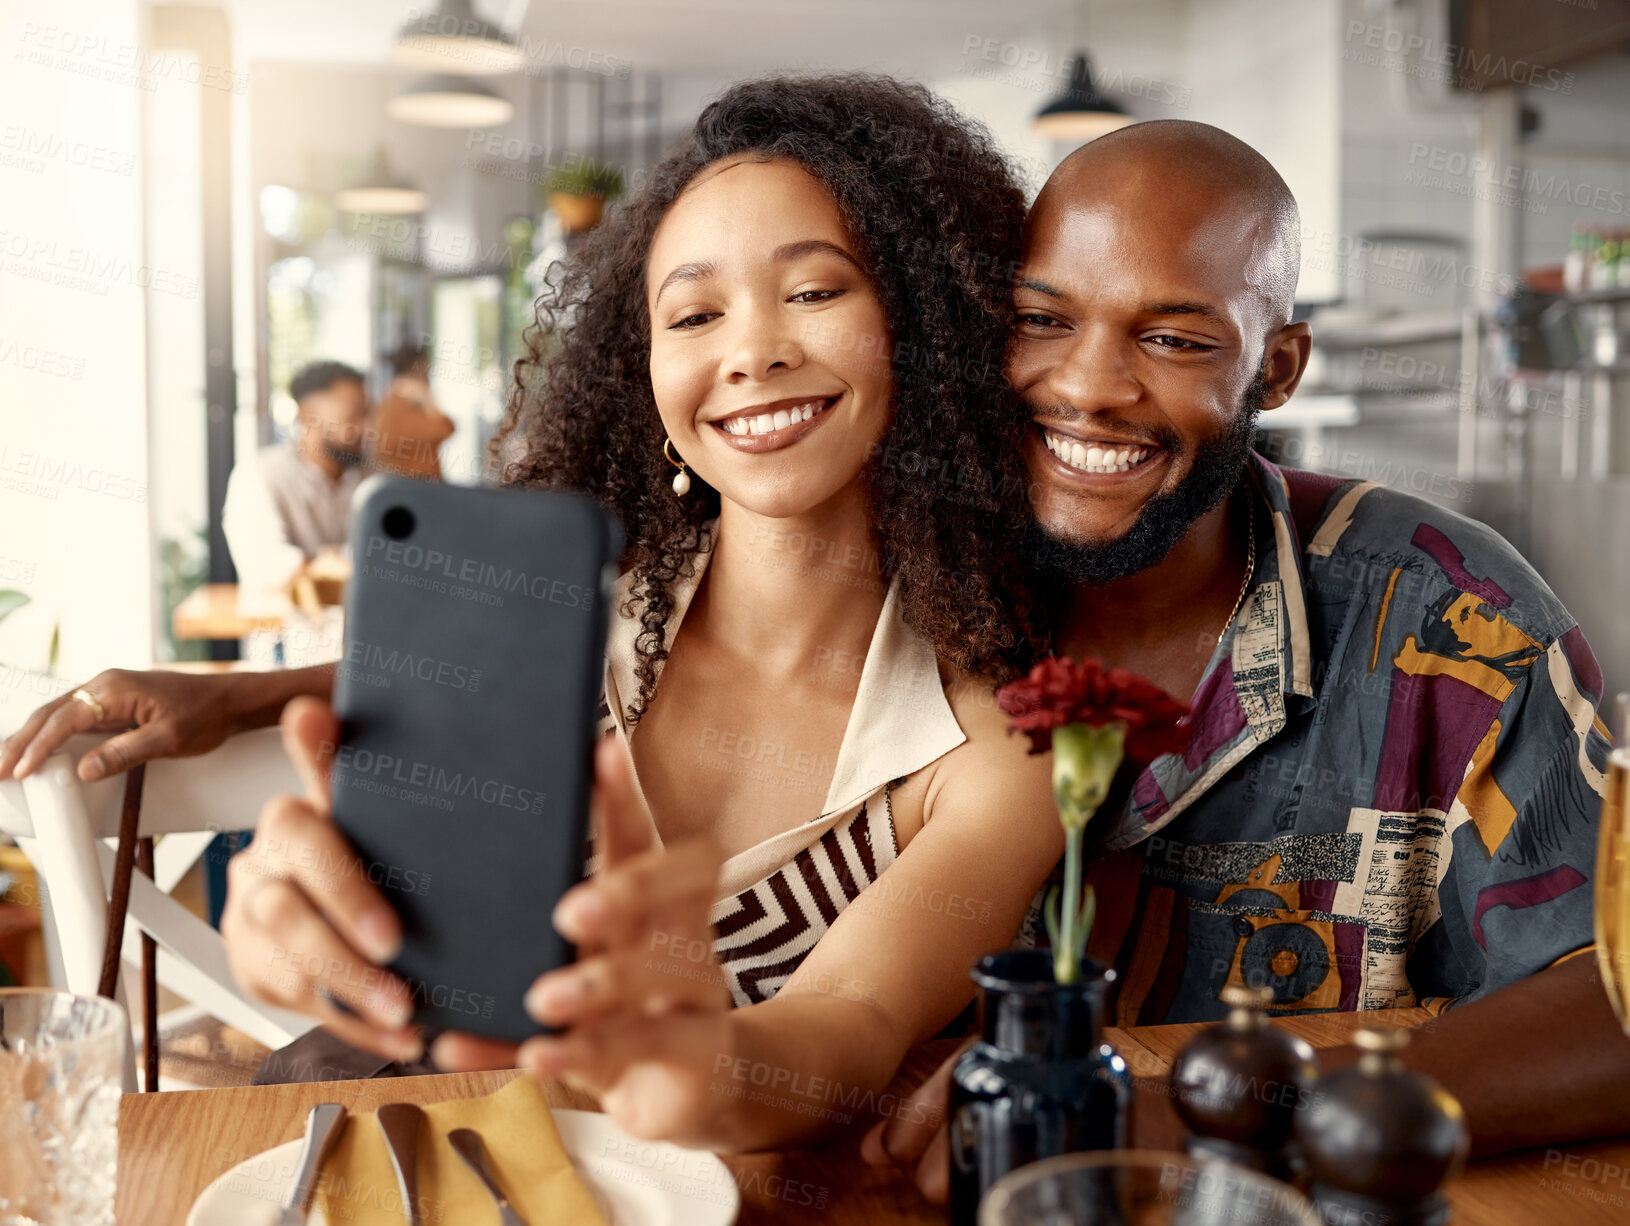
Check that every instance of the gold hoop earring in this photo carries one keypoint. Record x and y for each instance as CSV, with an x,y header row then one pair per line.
x,y
681,478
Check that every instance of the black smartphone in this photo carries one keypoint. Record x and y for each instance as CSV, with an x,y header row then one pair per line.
x,y
475,625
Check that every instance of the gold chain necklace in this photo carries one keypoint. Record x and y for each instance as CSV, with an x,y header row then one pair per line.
x,y
1250,567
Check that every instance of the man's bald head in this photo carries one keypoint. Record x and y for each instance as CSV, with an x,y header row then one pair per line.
x,y
1197,172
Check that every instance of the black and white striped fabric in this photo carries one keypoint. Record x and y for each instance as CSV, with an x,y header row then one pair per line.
x,y
763,933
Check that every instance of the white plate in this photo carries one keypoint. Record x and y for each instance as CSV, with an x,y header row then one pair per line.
x,y
635,1183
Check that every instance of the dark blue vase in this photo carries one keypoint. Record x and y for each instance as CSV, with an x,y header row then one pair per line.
x,y
1040,1081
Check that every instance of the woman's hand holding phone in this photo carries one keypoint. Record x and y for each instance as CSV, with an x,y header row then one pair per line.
x,y
645,1009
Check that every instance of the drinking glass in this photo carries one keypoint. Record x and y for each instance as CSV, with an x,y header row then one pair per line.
x,y
61,1072
1613,868
1141,1188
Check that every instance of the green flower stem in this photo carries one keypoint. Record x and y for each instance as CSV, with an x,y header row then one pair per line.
x,y
1085,759
1066,959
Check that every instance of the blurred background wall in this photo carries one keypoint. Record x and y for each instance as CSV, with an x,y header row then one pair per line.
x,y
173,246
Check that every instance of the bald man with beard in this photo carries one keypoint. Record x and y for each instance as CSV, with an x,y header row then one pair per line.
x,y
1391,790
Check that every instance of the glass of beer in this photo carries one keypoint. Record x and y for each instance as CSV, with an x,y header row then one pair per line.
x,y
1613,867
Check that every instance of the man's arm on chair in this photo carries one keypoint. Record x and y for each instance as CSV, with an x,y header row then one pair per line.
x,y
159,715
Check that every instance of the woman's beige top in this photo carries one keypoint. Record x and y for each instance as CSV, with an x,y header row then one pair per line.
x,y
778,898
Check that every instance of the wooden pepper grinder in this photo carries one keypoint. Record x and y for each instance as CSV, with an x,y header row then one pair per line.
x,y
1382,1140
1238,1085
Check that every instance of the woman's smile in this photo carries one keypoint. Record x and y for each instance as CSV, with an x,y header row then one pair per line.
x,y
770,427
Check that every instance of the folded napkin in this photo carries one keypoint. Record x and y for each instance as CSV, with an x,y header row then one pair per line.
x,y
358,1184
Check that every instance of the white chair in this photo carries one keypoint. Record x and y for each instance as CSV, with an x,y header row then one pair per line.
x,y
64,827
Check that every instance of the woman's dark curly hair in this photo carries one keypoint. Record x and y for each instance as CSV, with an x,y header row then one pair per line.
x,y
935,217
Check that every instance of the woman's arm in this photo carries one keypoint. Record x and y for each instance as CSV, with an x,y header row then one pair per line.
x,y
649,1031
990,835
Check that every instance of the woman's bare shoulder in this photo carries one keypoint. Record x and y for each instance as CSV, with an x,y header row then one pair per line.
x,y
973,702
993,762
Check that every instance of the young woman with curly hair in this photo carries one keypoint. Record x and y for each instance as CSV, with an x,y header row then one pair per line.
x,y
806,309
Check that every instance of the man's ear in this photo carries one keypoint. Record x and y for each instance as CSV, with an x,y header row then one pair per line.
x,y
1283,362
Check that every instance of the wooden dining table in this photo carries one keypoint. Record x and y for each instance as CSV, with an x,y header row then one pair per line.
x,y
172,1145
223,611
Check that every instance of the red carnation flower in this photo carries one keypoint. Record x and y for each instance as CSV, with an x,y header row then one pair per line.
x,y
1061,691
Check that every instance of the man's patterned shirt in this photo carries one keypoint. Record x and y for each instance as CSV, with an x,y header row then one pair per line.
x,y
1391,792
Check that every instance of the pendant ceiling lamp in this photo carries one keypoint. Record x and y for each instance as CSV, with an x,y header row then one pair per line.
x,y
446,101
379,191
1080,113
451,38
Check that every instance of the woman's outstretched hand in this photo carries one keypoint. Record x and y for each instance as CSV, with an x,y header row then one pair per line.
x,y
644,1011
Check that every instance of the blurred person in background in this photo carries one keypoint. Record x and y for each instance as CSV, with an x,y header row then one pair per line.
x,y
408,428
289,505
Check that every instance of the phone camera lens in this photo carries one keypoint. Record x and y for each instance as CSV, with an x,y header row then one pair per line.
x,y
398,523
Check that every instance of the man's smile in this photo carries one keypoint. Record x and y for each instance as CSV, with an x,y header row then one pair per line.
x,y
1080,455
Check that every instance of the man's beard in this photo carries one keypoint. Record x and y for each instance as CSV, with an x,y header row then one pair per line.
x,y
1166,517
350,457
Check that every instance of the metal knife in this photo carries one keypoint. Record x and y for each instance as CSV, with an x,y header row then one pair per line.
x,y
467,1143
323,1127
400,1124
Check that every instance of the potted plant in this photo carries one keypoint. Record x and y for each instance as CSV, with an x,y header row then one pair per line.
x,y
578,193
1040,1081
